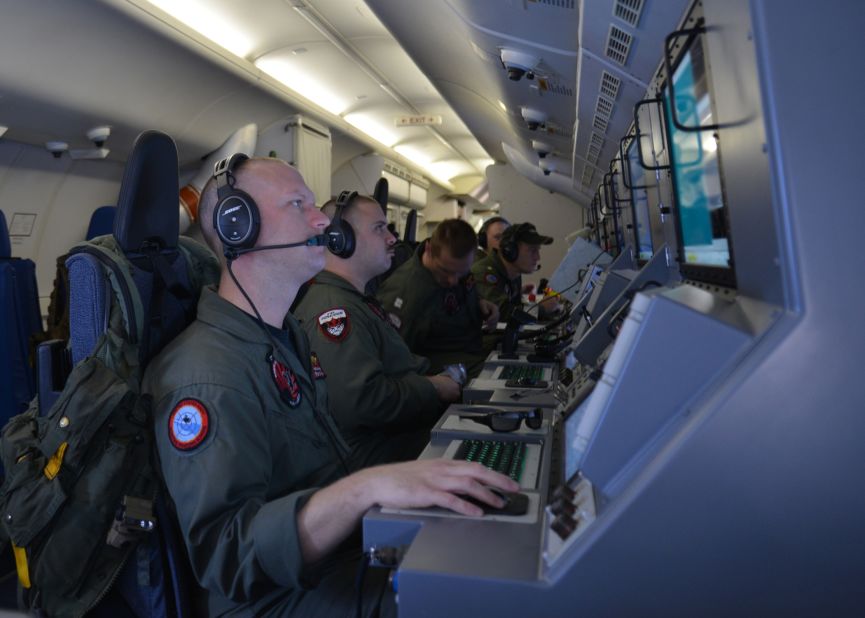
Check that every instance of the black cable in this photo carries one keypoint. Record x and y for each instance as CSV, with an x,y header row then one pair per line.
x,y
274,347
365,559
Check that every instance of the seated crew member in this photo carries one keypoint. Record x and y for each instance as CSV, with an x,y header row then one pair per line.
x,y
499,275
377,393
490,235
433,301
248,450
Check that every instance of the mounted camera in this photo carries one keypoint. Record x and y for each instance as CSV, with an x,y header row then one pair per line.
x,y
518,63
99,135
534,118
542,148
56,148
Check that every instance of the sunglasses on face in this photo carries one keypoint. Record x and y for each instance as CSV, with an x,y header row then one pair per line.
x,y
504,421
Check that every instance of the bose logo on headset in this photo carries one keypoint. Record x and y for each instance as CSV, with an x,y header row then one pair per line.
x,y
239,231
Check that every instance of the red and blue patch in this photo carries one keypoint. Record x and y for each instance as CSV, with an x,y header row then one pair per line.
x,y
188,424
317,372
286,383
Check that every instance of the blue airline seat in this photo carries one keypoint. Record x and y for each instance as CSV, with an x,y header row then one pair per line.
x,y
19,319
101,222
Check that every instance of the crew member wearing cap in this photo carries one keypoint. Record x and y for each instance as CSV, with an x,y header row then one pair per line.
x,y
433,301
499,275
378,393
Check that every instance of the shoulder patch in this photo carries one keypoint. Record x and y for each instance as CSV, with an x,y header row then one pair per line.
x,y
317,372
334,324
491,278
188,424
397,302
394,320
286,383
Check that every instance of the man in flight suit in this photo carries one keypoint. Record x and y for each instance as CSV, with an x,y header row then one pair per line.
x,y
433,301
379,395
499,275
490,235
248,450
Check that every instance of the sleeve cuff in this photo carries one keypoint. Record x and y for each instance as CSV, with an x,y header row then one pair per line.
x,y
277,543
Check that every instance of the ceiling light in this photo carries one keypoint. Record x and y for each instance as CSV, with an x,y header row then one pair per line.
x,y
414,155
372,128
201,17
446,170
301,83
503,106
3,130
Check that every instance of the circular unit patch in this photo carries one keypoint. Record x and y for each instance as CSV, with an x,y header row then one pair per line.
x,y
188,424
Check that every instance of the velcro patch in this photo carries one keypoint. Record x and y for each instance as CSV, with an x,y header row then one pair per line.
x,y
286,383
334,324
451,303
394,319
397,302
188,424
317,372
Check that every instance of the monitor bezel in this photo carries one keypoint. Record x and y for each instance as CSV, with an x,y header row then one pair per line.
x,y
712,275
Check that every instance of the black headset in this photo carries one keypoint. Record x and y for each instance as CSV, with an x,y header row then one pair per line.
x,y
482,234
340,234
508,247
235,217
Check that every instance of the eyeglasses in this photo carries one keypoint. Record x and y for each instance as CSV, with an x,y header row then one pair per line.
x,y
506,420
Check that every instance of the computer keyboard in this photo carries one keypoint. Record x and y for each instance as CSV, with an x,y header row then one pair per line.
x,y
505,456
522,372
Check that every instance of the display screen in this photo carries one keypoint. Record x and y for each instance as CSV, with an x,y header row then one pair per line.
x,y
574,447
697,177
640,201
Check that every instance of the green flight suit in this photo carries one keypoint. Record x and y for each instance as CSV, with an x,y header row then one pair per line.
x,y
378,394
443,324
493,283
242,446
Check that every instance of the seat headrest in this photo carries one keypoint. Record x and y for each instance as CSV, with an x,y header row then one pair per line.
x,y
147,208
5,245
101,222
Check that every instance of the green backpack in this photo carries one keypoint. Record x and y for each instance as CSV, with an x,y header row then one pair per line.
x,y
81,480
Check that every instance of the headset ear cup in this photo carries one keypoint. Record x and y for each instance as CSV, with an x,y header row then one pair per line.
x,y
509,250
236,220
340,238
482,236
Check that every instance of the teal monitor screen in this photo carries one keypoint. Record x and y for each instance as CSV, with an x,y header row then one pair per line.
x,y
640,201
704,239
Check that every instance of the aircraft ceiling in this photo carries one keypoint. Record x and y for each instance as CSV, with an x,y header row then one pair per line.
x,y
202,69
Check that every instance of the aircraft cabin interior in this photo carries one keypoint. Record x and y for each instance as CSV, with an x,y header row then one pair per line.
x,y
694,417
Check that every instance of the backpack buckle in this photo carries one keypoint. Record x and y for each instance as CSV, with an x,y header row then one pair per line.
x,y
134,517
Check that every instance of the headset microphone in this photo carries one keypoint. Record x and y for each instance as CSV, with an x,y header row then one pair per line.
x,y
316,241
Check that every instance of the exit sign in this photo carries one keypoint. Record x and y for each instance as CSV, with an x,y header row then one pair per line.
x,y
415,121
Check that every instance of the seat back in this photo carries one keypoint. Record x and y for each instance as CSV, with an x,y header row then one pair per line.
x,y
101,222
19,320
144,253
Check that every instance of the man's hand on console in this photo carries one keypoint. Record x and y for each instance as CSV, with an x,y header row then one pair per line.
x,y
490,314
437,482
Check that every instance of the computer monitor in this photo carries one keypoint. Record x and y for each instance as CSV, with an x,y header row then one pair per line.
x,y
705,247
574,446
640,203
